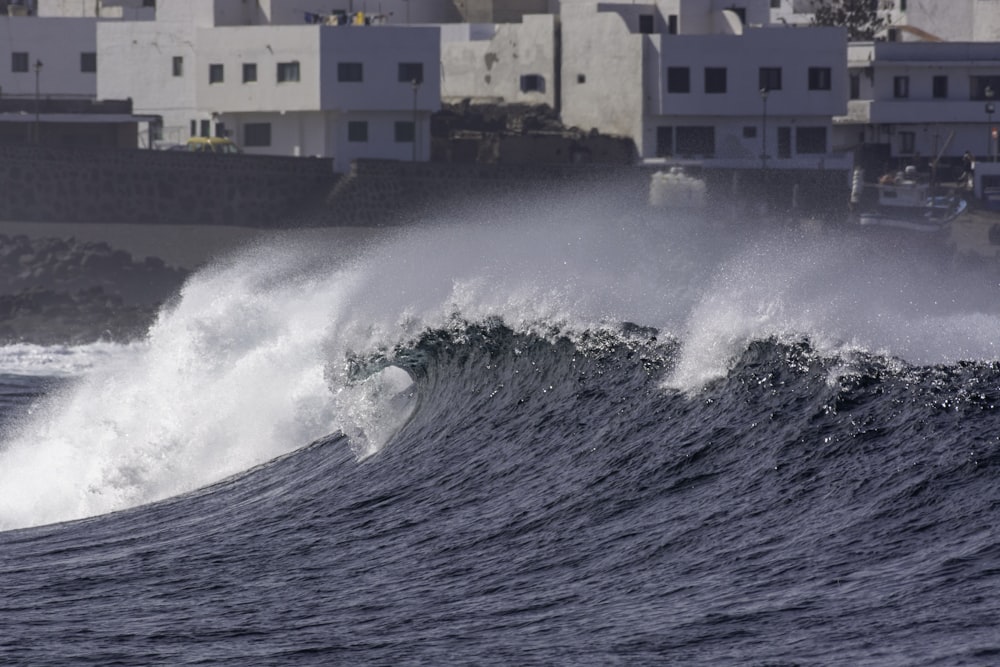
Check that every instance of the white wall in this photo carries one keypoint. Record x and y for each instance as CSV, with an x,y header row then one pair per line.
x,y
107,9
493,67
57,43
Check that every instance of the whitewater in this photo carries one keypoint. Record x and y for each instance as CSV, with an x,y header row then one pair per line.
x,y
567,433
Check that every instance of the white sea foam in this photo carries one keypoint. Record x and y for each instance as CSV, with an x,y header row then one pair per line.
x,y
250,362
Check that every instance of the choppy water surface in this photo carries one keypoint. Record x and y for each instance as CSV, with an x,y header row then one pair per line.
x,y
574,439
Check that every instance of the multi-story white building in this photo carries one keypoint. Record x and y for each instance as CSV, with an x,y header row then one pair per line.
x,y
58,56
684,79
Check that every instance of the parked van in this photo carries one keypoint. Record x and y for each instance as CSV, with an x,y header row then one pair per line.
x,y
212,145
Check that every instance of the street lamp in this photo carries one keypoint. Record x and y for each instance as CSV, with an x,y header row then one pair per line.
x,y
989,93
38,70
763,129
416,87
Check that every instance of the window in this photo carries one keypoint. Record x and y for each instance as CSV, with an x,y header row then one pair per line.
x,y
907,142
810,140
215,73
678,80
775,4
19,61
979,84
206,128
749,131
901,86
855,86
532,83
940,87
149,3
410,72
784,141
194,128
715,79
664,140
770,78
220,130
257,134
357,130
405,132
819,78
178,66
88,62
350,72
672,24
288,72
581,78
249,72
646,23
696,141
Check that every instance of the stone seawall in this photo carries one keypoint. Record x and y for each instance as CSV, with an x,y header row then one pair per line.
x,y
170,187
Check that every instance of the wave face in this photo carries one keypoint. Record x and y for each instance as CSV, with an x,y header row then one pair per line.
x,y
605,442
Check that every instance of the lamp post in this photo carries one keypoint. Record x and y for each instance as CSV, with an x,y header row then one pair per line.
x,y
416,87
763,130
989,93
38,70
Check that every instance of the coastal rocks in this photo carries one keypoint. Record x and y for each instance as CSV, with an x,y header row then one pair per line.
x,y
68,291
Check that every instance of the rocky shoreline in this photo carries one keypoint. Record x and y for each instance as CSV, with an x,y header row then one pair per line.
x,y
55,290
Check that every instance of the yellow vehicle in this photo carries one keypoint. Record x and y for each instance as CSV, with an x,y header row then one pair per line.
x,y
212,145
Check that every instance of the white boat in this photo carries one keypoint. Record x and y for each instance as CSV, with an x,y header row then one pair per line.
x,y
904,201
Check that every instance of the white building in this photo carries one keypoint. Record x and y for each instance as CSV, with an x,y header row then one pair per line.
x,y
57,54
683,79
918,100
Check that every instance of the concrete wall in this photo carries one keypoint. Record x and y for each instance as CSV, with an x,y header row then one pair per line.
x,y
57,43
488,61
112,186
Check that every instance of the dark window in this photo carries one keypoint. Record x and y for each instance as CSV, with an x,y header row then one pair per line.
x,y
249,72
532,82
220,130
664,140
715,79
678,80
288,71
901,86
775,4
907,142
257,134
810,140
902,5
206,128
940,87
350,72
696,141
215,73
581,78
855,86
770,78
88,62
19,61
410,72
149,3
672,24
357,130
178,65
194,128
405,132
749,131
819,78
784,142
979,84
646,23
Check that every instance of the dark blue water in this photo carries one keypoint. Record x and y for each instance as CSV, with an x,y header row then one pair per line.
x,y
546,494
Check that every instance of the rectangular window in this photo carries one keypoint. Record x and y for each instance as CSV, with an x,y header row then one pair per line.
x,y
257,134
220,130
769,78
775,4
979,85
646,23
901,86
249,72
19,61
410,72
215,73
694,141
288,72
350,72
405,132
194,128
819,78
907,142
88,62
678,80
664,141
532,83
784,141
672,24
810,140
178,65
149,3
715,79
357,130
749,131
206,128
855,92
940,87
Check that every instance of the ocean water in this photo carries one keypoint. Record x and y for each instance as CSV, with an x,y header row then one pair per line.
x,y
566,436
